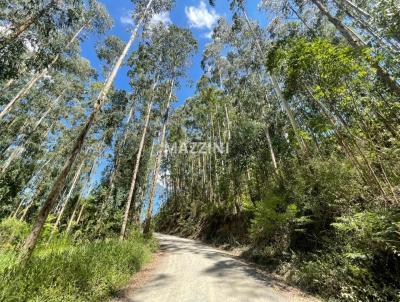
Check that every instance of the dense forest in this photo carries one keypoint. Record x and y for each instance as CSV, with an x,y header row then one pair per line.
x,y
289,149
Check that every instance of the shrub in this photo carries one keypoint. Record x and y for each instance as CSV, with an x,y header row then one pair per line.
x,y
12,233
361,263
271,222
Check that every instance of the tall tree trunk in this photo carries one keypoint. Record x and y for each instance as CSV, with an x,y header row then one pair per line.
x,y
136,169
116,165
19,150
277,89
288,111
28,86
357,9
147,223
15,214
65,202
80,214
59,183
354,41
228,123
271,149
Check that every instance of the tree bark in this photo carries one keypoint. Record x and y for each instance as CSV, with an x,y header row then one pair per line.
x,y
64,205
271,149
59,183
136,169
28,86
116,164
288,111
147,223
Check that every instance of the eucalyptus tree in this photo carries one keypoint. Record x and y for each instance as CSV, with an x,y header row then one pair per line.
x,y
357,43
94,19
143,12
363,20
148,72
53,96
37,132
176,46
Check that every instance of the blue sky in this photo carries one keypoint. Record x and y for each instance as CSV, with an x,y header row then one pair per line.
x,y
197,15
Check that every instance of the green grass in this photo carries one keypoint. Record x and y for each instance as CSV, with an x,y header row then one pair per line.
x,y
81,272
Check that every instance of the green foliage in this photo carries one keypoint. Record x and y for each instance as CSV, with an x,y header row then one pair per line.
x,y
272,216
361,261
12,233
371,231
81,272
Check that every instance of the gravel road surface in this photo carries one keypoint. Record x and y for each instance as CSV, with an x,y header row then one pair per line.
x,y
190,271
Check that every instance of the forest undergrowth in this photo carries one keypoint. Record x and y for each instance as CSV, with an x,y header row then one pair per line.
x,y
68,269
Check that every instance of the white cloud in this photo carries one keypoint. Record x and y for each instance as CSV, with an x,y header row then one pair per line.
x,y
200,16
208,35
127,19
162,17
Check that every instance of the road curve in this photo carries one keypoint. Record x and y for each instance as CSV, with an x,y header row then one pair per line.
x,y
193,272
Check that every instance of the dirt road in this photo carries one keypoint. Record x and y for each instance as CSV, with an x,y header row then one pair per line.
x,y
193,272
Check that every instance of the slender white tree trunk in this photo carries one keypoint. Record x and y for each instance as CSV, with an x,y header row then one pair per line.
x,y
116,165
271,149
136,169
28,86
65,202
147,225
277,89
59,183
288,111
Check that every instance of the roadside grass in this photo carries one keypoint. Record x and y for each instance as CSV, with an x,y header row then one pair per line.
x,y
66,271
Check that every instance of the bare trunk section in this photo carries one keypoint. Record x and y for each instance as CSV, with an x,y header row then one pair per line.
x,y
289,112
59,183
271,149
15,214
64,205
28,86
277,89
228,123
357,9
147,223
116,165
80,214
136,169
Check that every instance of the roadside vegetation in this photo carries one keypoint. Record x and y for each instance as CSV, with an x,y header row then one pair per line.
x,y
303,106
310,185
68,269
